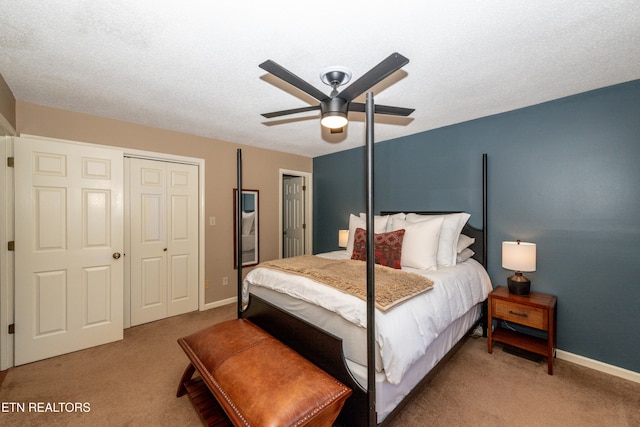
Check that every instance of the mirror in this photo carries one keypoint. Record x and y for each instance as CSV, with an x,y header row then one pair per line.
x,y
249,228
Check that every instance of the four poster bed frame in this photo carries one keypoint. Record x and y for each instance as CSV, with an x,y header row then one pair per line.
x,y
325,349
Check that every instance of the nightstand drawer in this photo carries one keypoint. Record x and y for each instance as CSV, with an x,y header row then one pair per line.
x,y
518,313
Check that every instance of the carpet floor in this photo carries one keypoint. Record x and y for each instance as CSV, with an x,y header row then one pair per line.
x,y
133,382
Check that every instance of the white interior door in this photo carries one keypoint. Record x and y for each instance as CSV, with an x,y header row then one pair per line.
x,y
148,256
163,212
69,236
293,216
182,234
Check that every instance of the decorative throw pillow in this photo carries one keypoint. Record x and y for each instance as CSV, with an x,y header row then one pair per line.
x,y
388,247
355,222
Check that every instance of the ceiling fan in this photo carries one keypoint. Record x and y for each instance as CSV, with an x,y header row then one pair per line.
x,y
335,106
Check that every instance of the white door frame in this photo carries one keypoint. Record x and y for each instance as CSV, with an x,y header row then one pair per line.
x,y
7,207
7,258
6,235
308,209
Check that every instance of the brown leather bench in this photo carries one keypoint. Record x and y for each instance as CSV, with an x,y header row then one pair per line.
x,y
256,380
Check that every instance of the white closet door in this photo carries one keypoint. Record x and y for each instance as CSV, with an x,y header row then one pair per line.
x,y
182,233
164,239
69,236
148,257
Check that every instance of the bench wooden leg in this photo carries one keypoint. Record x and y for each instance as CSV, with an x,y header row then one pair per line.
x,y
188,373
207,407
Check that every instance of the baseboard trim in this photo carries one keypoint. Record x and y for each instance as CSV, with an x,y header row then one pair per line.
x,y
598,366
220,303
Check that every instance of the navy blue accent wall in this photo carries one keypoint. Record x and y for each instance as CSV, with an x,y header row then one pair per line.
x,y
564,174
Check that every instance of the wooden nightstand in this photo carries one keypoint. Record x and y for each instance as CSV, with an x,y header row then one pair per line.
x,y
536,310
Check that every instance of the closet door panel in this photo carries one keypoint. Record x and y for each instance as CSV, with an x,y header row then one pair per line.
x,y
182,191
148,257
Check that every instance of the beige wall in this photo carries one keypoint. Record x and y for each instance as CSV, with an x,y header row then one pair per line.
x,y
260,172
7,104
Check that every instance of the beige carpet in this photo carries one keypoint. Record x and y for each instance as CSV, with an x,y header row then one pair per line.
x,y
476,388
133,383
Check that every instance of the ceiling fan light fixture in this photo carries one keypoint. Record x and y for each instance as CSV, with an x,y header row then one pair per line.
x,y
334,120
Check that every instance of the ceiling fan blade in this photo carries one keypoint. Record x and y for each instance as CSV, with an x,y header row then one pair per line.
x,y
390,65
286,75
382,109
292,111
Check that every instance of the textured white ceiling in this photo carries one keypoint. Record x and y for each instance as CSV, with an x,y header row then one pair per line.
x,y
192,65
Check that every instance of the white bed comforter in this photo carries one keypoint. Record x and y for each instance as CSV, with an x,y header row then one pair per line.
x,y
404,332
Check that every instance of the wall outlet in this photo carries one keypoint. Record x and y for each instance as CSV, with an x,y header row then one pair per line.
x,y
206,284
225,281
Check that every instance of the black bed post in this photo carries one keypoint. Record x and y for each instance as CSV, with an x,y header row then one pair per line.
x,y
484,209
485,246
238,208
371,331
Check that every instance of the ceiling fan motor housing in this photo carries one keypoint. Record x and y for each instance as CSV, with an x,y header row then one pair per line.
x,y
334,105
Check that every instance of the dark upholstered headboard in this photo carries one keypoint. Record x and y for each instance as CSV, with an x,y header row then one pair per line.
x,y
479,247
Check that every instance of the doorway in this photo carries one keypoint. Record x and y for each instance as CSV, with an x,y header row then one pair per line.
x,y
295,213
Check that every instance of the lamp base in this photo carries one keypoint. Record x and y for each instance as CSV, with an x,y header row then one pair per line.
x,y
518,284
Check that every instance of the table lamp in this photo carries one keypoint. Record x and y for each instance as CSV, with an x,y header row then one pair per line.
x,y
343,238
519,256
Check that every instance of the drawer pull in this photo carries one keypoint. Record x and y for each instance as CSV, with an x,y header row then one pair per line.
x,y
518,314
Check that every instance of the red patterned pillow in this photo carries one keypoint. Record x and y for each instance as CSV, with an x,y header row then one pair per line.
x,y
388,247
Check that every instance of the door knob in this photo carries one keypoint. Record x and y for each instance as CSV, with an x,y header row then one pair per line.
x,y
116,255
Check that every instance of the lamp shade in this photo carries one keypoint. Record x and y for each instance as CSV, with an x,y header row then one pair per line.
x,y
334,120
519,256
343,238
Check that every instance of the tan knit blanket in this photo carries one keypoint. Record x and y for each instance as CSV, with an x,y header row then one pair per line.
x,y
392,286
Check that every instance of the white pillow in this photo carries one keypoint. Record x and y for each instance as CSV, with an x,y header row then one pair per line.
x,y
420,242
397,224
451,228
379,220
389,221
394,217
379,226
464,255
464,242
247,222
